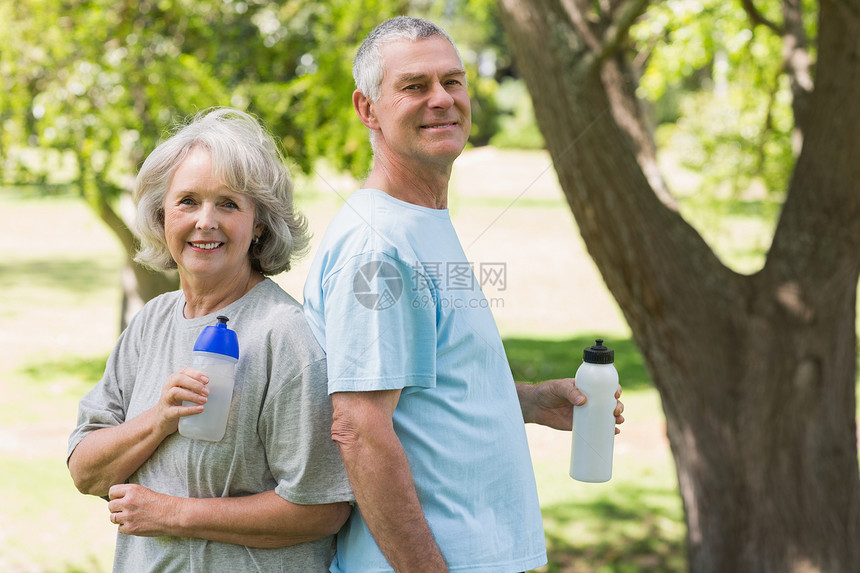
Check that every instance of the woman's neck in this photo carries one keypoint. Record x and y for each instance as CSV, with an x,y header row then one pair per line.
x,y
203,297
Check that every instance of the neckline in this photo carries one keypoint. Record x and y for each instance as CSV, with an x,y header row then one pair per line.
x,y
374,192
198,320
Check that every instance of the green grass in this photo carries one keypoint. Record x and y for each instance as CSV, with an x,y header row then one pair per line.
x,y
42,515
534,359
59,275
634,523
67,277
60,302
69,368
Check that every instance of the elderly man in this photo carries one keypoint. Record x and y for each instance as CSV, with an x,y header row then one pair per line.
x,y
427,415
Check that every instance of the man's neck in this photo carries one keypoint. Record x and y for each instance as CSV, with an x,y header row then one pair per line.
x,y
426,187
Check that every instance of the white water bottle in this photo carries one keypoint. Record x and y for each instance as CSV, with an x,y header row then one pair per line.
x,y
216,353
594,422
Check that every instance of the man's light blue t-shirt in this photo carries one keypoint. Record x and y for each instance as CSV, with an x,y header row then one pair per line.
x,y
393,300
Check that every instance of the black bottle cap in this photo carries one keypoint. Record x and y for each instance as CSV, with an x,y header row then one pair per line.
x,y
598,354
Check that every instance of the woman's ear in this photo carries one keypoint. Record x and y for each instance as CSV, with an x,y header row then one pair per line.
x,y
364,107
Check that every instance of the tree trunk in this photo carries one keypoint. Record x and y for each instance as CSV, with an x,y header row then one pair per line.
x,y
139,284
756,373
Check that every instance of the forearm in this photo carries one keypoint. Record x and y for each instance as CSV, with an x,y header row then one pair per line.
x,y
264,520
385,493
110,455
525,394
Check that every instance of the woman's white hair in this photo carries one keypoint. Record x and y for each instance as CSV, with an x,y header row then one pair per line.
x,y
368,67
246,157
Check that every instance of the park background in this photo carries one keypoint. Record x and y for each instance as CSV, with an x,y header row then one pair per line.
x,y
67,151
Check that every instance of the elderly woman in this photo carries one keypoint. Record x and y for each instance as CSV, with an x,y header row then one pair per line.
x,y
215,202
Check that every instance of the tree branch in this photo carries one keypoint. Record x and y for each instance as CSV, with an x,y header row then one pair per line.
x,y
797,61
616,33
578,19
617,20
757,18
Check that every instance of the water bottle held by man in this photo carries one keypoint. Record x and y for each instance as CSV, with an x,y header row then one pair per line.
x,y
594,422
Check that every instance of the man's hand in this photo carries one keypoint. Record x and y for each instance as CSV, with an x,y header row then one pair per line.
x,y
551,403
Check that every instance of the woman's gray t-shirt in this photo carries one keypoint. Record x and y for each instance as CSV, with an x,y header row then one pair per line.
x,y
278,434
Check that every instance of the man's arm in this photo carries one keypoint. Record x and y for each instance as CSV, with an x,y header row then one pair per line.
x,y
264,520
382,481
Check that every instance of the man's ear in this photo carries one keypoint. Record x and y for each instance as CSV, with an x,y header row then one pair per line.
x,y
364,107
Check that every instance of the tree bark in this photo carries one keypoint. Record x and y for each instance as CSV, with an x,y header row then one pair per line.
x,y
756,373
139,284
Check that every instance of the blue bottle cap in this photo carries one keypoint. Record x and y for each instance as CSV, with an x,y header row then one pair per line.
x,y
218,339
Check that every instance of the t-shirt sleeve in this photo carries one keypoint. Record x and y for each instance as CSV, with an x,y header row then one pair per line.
x,y
105,405
380,326
296,430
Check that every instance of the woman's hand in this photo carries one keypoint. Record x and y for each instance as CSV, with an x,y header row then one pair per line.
x,y
264,520
186,385
110,455
140,511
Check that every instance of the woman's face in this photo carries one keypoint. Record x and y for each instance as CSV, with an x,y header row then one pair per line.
x,y
208,227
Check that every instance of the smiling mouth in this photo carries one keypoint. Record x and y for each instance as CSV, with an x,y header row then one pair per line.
x,y
439,125
206,246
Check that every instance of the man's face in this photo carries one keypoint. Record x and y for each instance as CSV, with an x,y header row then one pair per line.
x,y
423,112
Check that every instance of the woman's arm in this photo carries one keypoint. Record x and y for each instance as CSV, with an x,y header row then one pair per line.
x,y
264,520
110,455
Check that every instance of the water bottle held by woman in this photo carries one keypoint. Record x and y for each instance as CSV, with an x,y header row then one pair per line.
x,y
215,354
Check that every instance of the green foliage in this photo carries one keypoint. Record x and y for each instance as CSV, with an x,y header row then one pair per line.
x,y
89,87
105,83
316,101
99,83
722,81
517,125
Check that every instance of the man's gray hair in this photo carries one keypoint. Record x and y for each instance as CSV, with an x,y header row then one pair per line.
x,y
246,157
368,67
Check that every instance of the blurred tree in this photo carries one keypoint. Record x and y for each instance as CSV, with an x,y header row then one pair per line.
x,y
721,79
757,372
103,81
97,83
